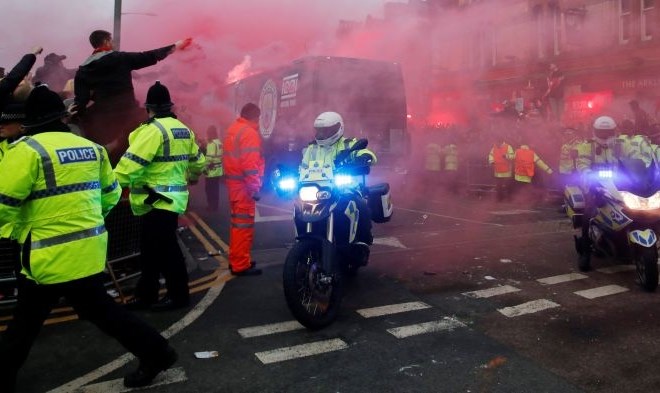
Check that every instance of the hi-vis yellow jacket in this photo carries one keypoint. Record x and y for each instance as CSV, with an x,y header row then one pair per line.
x,y
214,158
61,187
317,156
162,155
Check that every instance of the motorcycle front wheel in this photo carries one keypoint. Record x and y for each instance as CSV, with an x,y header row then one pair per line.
x,y
313,295
646,263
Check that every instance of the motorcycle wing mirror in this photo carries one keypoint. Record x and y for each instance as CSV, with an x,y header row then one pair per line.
x,y
284,181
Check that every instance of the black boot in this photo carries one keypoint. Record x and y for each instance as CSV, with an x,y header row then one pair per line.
x,y
147,371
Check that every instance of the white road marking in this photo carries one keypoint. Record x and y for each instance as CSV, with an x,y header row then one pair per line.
x,y
121,361
299,351
490,292
392,309
513,212
389,241
601,291
446,324
616,269
527,308
562,278
263,330
167,377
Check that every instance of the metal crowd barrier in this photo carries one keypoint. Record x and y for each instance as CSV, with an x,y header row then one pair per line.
x,y
122,262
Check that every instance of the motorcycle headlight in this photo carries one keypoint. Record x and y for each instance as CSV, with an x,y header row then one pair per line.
x,y
308,193
635,202
344,180
287,184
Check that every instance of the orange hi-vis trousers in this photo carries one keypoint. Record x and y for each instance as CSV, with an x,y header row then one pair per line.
x,y
241,231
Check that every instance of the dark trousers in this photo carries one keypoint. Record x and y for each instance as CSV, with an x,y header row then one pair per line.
x,y
212,188
503,188
89,299
161,254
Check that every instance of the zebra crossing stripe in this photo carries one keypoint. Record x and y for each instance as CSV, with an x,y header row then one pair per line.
x,y
446,324
601,291
167,377
299,351
562,278
616,269
392,309
527,308
490,292
281,327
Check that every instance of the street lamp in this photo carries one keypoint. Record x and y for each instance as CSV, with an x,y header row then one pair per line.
x,y
116,32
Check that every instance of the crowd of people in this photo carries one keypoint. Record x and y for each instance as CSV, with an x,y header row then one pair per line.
x,y
72,139
518,158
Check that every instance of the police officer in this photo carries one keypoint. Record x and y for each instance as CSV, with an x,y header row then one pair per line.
x,y
61,188
606,148
329,142
10,125
213,169
568,156
161,158
450,162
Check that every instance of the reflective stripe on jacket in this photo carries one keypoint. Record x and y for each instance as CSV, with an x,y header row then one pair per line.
x,y
163,155
432,157
325,155
214,158
61,187
592,153
567,163
525,161
243,161
451,157
501,158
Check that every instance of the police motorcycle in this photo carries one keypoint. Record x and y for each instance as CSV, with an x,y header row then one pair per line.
x,y
326,219
626,217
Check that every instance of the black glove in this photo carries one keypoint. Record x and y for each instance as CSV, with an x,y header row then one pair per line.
x,y
256,196
362,160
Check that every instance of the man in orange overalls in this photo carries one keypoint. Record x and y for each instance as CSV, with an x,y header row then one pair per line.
x,y
243,166
501,158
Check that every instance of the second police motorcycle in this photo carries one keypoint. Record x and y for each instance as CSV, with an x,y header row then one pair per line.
x,y
625,216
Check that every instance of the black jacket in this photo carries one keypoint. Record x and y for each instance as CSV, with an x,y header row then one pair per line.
x,y
9,83
105,77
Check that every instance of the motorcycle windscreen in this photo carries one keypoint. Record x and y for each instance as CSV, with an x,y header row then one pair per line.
x,y
635,176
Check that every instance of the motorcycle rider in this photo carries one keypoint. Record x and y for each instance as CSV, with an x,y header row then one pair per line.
x,y
606,148
329,142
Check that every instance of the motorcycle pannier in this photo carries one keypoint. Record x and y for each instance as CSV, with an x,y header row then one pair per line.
x,y
380,203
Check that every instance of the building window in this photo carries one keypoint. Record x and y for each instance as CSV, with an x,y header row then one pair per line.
x,y
537,11
548,29
555,28
647,17
625,17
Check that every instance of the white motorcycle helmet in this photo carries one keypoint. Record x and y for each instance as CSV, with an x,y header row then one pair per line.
x,y
329,128
604,129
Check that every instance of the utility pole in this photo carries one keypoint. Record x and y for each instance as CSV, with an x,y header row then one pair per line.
x,y
116,34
